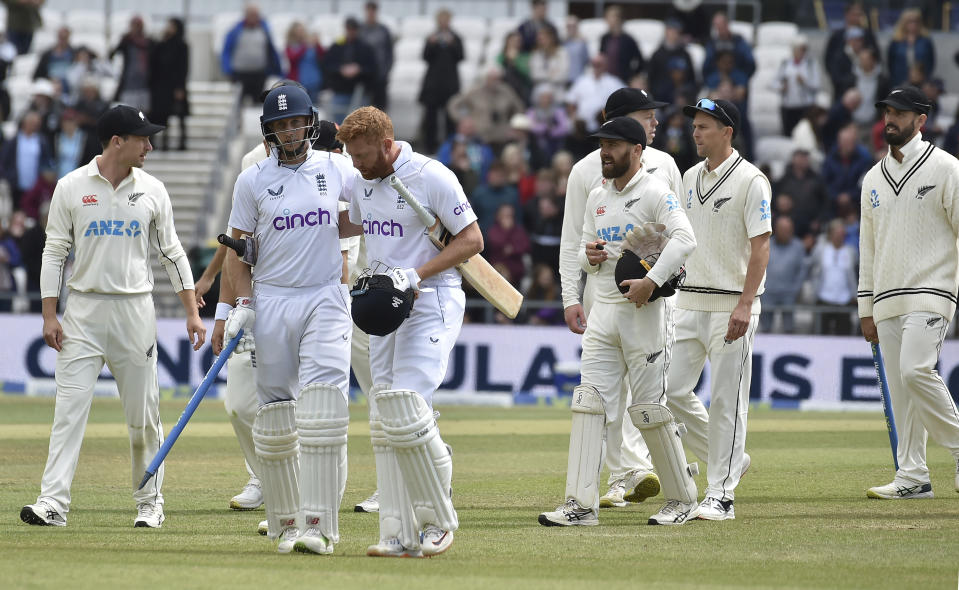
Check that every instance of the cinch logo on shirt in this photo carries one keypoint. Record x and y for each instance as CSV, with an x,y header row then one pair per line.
x,y
386,227
613,233
113,227
462,208
286,221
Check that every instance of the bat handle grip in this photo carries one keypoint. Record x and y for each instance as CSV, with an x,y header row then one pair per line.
x,y
238,246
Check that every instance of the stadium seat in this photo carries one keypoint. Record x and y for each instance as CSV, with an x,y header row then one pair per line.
x,y
222,22
470,27
769,57
329,27
85,21
499,27
419,27
646,32
468,71
776,33
592,29
743,28
474,50
774,147
408,49
52,18
948,103
697,53
24,65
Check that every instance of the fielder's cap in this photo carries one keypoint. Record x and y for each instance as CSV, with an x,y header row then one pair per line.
x,y
326,140
125,120
907,98
627,100
623,128
723,110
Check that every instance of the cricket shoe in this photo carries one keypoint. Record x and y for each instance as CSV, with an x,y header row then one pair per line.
x,y
250,498
570,514
313,541
263,528
715,509
434,540
644,484
675,513
901,491
393,548
288,539
371,504
149,515
42,514
614,496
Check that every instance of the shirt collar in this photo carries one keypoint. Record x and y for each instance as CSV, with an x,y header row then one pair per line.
x,y
406,154
721,169
911,149
93,169
640,174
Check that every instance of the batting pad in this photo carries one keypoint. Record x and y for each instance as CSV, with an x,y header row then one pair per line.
x,y
322,418
586,446
277,446
396,512
662,435
423,458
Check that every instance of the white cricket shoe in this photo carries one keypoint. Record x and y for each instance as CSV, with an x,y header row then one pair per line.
x,y
675,513
393,548
149,515
42,513
614,496
371,504
644,484
570,514
263,528
900,490
250,498
313,541
715,509
287,539
434,540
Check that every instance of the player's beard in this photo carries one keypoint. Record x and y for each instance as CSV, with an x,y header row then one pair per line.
x,y
616,168
381,168
899,137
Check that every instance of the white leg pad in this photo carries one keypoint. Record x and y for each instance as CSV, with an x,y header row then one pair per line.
x,y
277,447
423,457
662,434
322,419
586,439
396,512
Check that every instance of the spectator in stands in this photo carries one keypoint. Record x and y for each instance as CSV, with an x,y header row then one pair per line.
x,y
545,288
47,102
549,124
135,48
23,156
933,130
442,53
577,51
872,85
462,167
587,97
561,166
521,136
72,147
506,242
87,68
623,57
31,254
349,70
249,55
784,275
676,138
55,62
90,105
543,218
495,191
529,29
305,54
723,40
515,63
549,63
910,45
40,194
846,164
378,36
491,103
950,142
808,133
9,259
807,194
834,278
726,81
7,54
169,70
23,20
844,45
840,115
798,82
517,173
669,57
479,155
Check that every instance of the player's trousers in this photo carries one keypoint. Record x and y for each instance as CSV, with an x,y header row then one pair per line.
x,y
119,330
417,354
701,335
921,401
360,359
241,403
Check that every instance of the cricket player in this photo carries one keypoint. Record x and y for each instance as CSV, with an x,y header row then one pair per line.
x,y
628,335
415,509
631,478
289,205
908,280
727,201
109,212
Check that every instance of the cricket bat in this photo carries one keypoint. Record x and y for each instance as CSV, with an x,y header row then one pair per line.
x,y
476,270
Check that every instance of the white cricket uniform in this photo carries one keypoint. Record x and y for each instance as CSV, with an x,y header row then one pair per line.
x,y
303,323
625,448
726,207
109,316
622,341
908,286
414,357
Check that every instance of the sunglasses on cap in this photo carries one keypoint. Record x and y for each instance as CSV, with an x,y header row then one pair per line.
x,y
709,105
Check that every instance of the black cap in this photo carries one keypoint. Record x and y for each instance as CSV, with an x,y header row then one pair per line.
x,y
907,98
723,110
125,120
352,23
627,100
623,128
326,139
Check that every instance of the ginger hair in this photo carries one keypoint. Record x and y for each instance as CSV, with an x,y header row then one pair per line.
x,y
369,122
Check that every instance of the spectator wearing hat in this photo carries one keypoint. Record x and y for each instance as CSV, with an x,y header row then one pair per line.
x,y
844,45
491,103
24,156
910,45
798,83
442,53
248,55
521,136
669,57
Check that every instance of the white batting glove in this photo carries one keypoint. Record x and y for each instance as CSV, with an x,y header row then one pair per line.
x,y
407,275
246,343
241,318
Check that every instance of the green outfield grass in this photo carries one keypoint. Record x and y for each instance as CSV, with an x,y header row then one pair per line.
x,y
803,520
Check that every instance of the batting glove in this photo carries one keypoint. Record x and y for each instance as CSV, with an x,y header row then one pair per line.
x,y
241,318
409,275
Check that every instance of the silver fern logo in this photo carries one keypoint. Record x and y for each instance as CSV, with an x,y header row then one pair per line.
x,y
719,203
923,190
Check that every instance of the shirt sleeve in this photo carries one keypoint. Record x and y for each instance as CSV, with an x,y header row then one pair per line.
x,y
571,244
446,197
681,243
170,253
58,244
587,234
864,297
243,215
675,180
758,212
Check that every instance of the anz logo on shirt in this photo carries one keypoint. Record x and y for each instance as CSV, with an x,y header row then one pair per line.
x,y
113,227
764,212
689,200
874,198
672,203
613,233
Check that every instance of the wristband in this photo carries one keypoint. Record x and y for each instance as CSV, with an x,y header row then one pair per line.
x,y
222,311
247,301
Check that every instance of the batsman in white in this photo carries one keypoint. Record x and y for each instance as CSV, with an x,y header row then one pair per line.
x,y
289,204
908,279
109,212
413,465
631,477
627,337
727,202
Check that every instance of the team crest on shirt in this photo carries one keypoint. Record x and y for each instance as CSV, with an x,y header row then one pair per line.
x,y
367,194
400,203
719,203
651,170
630,203
923,190
275,194
89,200
601,210
321,183
133,197
874,198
